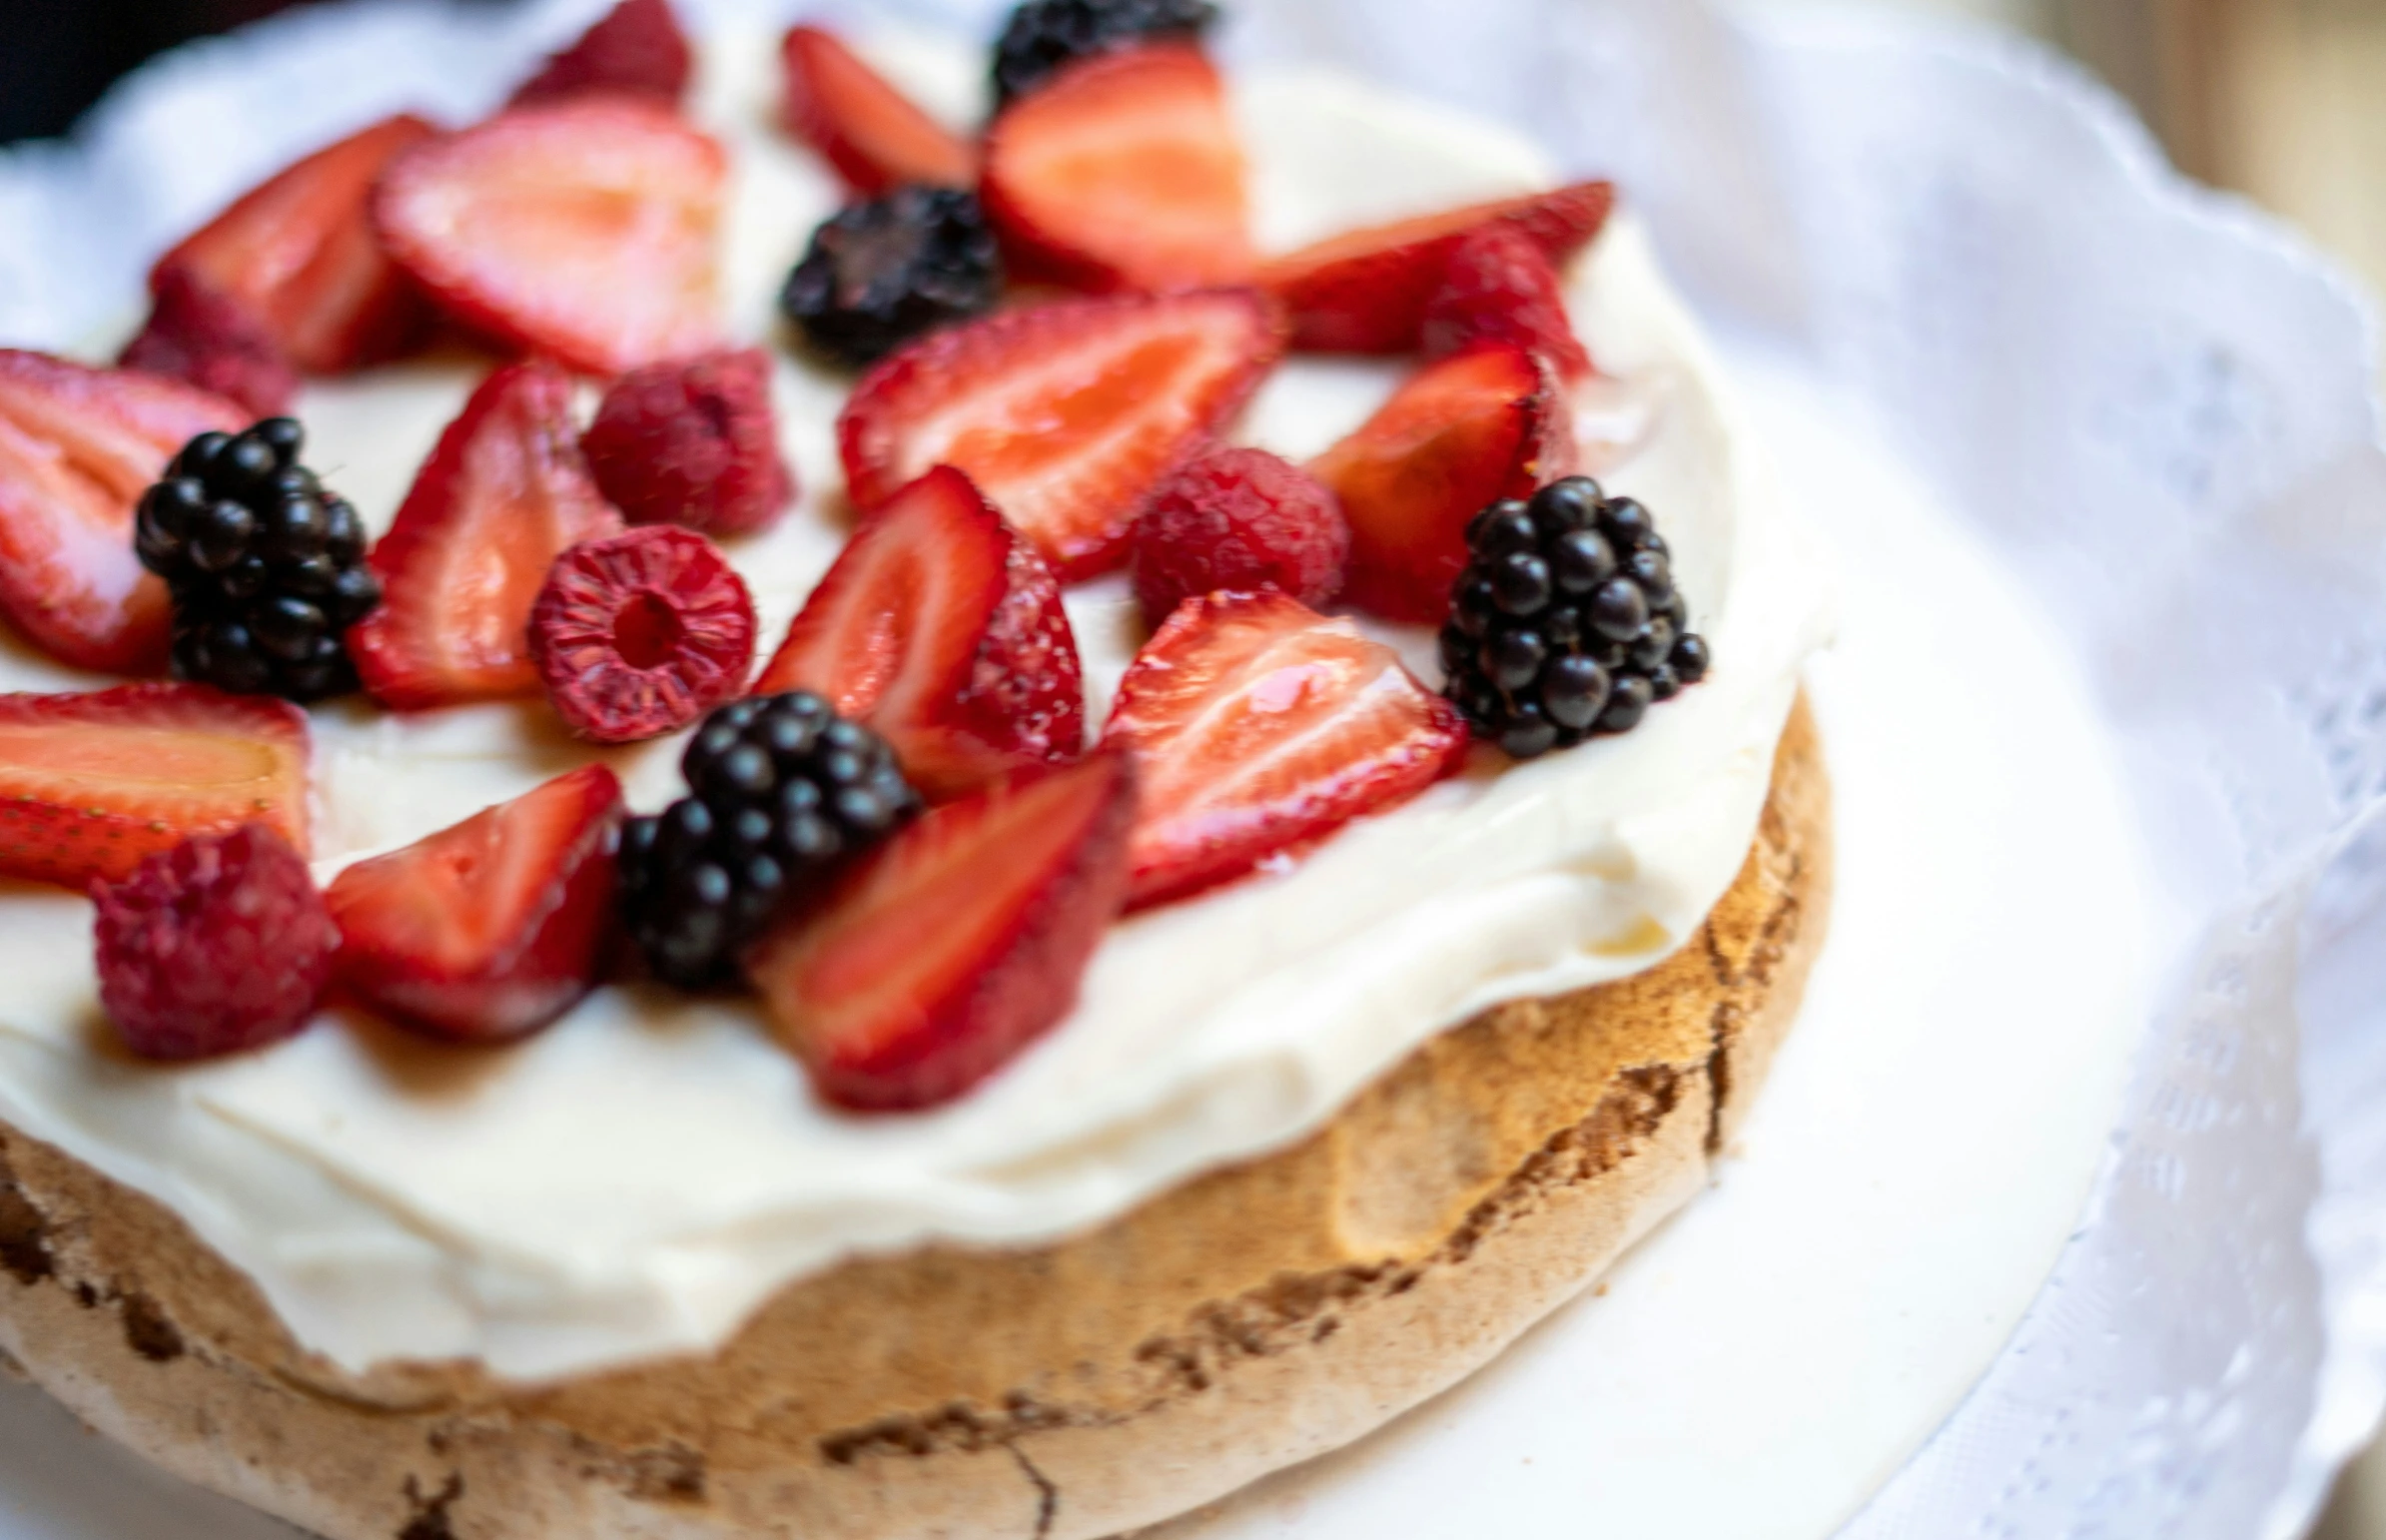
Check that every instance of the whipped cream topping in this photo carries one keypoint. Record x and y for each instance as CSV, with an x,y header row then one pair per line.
x,y
634,1182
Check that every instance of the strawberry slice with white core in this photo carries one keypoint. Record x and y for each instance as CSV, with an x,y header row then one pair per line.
x,y
77,447
1367,290
90,784
942,630
1122,172
587,230
1064,413
1259,726
957,943
298,255
505,493
1489,422
875,136
492,929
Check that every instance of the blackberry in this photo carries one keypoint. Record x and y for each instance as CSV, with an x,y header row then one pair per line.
x,y
1044,35
1567,623
782,790
266,567
881,273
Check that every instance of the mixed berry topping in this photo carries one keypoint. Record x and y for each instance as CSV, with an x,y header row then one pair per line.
x,y
693,441
883,271
217,945
1237,519
1044,35
1566,622
781,791
266,567
639,635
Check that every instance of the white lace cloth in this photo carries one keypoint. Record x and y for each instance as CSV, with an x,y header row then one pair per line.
x,y
2150,400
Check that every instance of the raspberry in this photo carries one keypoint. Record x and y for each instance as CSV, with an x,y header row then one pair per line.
x,y
637,49
1238,520
1500,286
215,947
204,338
639,635
692,442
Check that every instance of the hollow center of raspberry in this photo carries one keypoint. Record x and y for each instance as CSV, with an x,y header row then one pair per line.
x,y
648,631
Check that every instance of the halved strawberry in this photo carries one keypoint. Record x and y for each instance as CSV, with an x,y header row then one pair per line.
x,y
871,132
1063,413
635,49
490,930
1257,726
1122,172
299,255
90,784
77,447
1366,291
503,495
585,229
1487,422
942,629
957,943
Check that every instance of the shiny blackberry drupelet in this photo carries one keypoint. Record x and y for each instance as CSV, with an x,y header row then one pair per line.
x,y
881,273
782,790
266,568
1567,623
1044,35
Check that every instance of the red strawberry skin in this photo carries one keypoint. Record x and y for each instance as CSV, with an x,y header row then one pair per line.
x,y
298,254
874,136
942,630
208,340
216,946
636,50
1238,518
1064,413
1122,172
490,930
1367,290
693,441
77,447
1482,424
1501,286
957,943
91,784
585,229
503,495
1259,726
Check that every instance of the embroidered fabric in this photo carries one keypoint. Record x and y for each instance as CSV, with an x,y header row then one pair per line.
x,y
2150,400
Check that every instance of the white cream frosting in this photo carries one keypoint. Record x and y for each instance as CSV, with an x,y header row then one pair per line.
x,y
635,1180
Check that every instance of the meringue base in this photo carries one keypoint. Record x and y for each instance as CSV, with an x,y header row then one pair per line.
x,y
1245,1321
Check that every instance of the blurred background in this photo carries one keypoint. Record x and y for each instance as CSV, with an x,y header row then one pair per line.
x,y
2283,101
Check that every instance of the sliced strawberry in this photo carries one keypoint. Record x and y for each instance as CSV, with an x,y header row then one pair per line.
x,y
871,132
1122,172
77,447
943,630
503,495
585,229
1482,424
1257,726
957,943
298,255
636,50
1366,292
209,340
1064,413
490,930
90,784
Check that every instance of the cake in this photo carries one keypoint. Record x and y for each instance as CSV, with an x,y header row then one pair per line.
x,y
1327,1120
